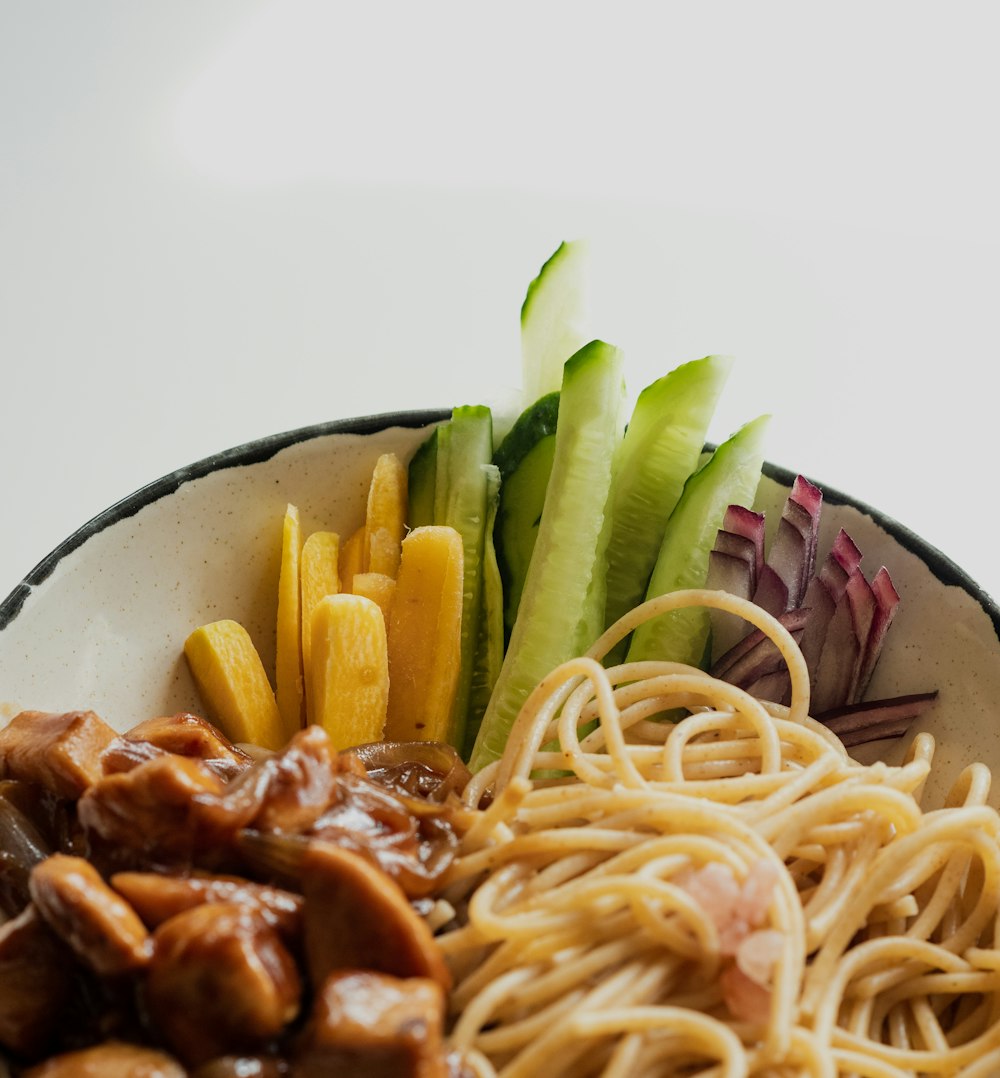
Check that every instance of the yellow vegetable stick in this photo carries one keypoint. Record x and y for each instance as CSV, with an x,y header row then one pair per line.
x,y
385,519
288,644
425,630
379,588
233,685
382,550
352,559
320,577
349,676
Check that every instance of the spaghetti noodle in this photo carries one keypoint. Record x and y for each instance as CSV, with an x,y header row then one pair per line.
x,y
727,895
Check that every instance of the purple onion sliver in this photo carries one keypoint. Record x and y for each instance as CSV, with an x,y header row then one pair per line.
x,y
740,663
776,686
808,495
728,659
861,602
845,552
821,604
875,720
728,573
810,498
834,576
732,574
886,602
838,660
739,546
742,521
771,594
805,524
788,557
762,659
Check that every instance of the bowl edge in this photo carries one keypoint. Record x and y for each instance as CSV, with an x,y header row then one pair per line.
x,y
261,449
252,452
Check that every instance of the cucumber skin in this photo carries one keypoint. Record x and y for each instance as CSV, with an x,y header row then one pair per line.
x,y
490,638
554,318
533,424
518,520
563,600
730,476
421,482
661,448
464,451
525,462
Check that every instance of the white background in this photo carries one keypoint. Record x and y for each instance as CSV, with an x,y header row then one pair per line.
x,y
221,219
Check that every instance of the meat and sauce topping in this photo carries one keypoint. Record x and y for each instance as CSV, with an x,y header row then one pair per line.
x,y
172,900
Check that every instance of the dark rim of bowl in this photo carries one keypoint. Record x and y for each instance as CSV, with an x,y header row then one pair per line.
x,y
261,449
947,571
255,452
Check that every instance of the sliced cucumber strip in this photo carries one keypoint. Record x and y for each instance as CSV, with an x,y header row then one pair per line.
x,y
730,476
535,423
490,640
661,448
464,452
421,482
563,599
525,463
554,318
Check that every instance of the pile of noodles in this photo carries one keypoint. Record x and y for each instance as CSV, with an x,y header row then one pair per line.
x,y
727,895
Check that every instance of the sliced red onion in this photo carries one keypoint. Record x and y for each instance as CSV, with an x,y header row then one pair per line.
x,y
731,573
840,619
776,687
787,559
756,654
874,720
771,593
727,572
742,521
838,660
886,602
845,552
810,498
793,552
861,603
739,546
821,605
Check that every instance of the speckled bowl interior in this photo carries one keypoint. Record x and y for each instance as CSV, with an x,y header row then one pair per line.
x,y
100,623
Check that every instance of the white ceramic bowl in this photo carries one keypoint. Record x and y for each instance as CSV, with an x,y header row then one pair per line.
x,y
100,623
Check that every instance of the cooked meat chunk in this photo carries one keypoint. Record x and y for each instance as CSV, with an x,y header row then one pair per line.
x,y
243,1067
328,860
290,790
191,735
34,984
220,981
95,921
157,897
59,752
356,917
166,809
112,1060
376,927
173,808
370,1025
123,755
